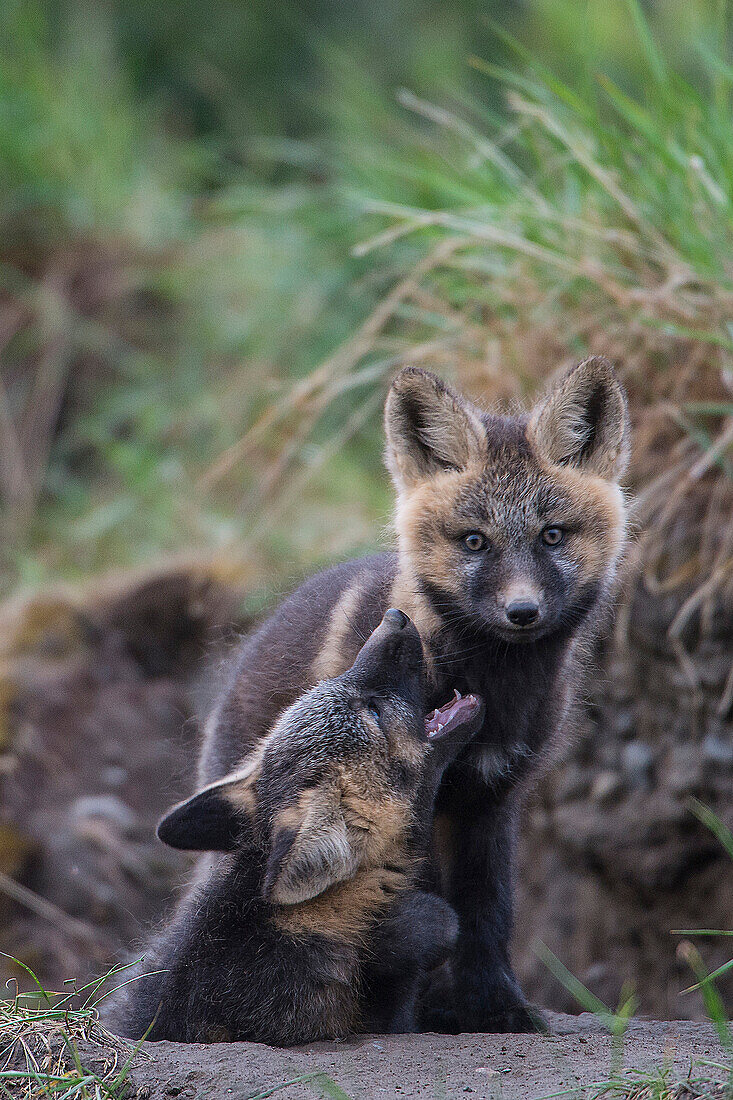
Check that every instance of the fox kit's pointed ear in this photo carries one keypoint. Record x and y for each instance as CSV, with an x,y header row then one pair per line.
x,y
583,421
311,850
217,819
429,428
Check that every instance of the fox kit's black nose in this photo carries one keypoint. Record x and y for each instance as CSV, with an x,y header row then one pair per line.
x,y
391,661
522,612
395,618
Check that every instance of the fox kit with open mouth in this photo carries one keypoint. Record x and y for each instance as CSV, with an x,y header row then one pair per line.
x,y
308,925
510,530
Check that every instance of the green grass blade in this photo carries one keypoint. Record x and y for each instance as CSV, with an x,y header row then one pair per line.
x,y
547,79
582,995
711,977
711,821
644,124
134,978
711,997
655,59
326,1086
303,1079
687,333
28,970
701,932
124,1072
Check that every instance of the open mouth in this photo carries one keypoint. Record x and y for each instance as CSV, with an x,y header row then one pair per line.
x,y
445,719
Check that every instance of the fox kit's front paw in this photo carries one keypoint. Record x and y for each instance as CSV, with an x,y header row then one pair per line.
x,y
513,1019
496,1005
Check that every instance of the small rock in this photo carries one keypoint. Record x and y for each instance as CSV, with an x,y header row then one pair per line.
x,y
607,786
107,806
718,749
570,783
684,770
115,775
624,723
637,761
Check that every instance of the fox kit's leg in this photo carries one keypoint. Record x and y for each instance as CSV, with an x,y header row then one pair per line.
x,y
475,849
418,935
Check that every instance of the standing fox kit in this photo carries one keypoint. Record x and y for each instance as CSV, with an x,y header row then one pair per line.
x,y
309,925
510,530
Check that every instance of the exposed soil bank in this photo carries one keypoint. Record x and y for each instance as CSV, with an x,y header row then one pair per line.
x,y
487,1067
98,736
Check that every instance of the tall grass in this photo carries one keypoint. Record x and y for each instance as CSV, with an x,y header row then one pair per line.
x,y
153,302
596,218
218,386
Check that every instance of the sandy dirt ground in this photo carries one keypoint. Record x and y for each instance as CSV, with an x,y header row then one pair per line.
x,y
577,1055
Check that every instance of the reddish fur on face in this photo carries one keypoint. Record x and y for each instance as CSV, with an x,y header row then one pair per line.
x,y
559,467
602,505
424,518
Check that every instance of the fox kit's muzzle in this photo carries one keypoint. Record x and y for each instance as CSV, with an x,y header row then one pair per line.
x,y
391,660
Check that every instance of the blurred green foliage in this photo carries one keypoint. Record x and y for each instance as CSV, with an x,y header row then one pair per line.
x,y
181,190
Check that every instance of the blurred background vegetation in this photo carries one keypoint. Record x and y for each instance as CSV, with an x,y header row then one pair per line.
x,y
185,190
223,227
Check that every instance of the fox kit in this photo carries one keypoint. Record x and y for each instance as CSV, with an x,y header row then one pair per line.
x,y
510,530
309,926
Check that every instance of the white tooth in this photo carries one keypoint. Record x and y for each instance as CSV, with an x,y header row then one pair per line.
x,y
458,694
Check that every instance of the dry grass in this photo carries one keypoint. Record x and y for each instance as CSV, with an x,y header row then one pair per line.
x,y
53,1045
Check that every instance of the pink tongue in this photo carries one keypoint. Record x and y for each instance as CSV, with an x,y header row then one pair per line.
x,y
455,712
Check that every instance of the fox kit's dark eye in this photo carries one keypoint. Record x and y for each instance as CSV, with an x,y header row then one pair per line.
x,y
474,541
553,536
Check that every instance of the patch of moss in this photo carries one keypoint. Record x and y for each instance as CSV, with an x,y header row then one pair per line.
x,y
15,849
8,692
49,627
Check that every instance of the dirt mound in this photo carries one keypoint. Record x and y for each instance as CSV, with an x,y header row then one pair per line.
x,y
612,857
685,1056
98,737
98,696
494,1067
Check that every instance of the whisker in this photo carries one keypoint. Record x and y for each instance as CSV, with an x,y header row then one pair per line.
x,y
362,637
